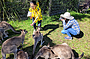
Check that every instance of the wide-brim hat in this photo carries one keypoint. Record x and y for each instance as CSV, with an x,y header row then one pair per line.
x,y
67,16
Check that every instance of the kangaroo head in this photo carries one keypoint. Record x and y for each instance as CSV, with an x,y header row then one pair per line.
x,y
23,31
21,54
44,50
36,34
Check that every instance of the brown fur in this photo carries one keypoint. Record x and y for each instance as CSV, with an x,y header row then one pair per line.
x,y
37,36
45,52
6,26
11,44
62,51
22,55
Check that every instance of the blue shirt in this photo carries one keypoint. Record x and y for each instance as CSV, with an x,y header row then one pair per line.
x,y
72,24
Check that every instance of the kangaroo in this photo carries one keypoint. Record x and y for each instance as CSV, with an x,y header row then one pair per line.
x,y
84,8
37,36
22,55
62,51
6,26
11,44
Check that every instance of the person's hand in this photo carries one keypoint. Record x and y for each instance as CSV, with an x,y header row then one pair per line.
x,y
31,24
30,17
62,19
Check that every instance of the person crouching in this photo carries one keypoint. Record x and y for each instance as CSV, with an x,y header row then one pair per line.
x,y
70,25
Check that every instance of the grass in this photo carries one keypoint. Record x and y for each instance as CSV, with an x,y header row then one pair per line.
x,y
51,29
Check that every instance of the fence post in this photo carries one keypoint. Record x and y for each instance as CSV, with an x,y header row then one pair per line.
x,y
78,4
50,3
0,11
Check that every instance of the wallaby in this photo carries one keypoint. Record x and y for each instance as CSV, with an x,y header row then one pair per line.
x,y
62,51
37,36
22,55
11,44
84,8
6,26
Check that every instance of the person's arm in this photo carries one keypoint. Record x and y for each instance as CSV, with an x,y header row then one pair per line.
x,y
32,24
65,26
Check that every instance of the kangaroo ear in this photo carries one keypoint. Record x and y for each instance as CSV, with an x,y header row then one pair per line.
x,y
48,45
20,29
54,53
26,54
24,29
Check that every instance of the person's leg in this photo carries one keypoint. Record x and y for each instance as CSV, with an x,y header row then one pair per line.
x,y
39,24
64,31
69,32
34,23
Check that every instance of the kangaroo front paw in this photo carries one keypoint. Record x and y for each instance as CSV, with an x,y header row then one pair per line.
x,y
7,33
42,43
6,36
0,42
2,39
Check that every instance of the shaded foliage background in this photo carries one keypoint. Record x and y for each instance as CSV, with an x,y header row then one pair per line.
x,y
17,9
13,9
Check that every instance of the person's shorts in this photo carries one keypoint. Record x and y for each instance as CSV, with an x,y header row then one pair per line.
x,y
29,14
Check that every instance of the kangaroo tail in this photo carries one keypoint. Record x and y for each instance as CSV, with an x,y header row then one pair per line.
x,y
12,28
